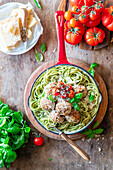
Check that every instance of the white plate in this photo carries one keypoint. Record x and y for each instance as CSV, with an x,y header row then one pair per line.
x,y
30,43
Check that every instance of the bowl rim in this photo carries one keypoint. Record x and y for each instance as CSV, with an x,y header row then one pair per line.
x,y
66,132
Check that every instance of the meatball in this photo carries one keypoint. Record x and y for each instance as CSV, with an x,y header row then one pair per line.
x,y
56,117
81,89
63,108
47,104
48,88
73,117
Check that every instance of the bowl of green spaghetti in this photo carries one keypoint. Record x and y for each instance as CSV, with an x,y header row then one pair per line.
x,y
72,112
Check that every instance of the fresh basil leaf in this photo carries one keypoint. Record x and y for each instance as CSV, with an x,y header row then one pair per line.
x,y
27,129
4,109
91,71
91,97
17,117
71,100
10,156
87,132
98,131
76,106
39,57
93,65
78,96
92,135
95,124
18,142
13,130
37,4
52,98
43,47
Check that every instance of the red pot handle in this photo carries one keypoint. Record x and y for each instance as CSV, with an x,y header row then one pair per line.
x,y
62,59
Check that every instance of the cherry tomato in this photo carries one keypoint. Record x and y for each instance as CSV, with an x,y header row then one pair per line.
x,y
76,2
89,2
93,36
76,9
67,25
55,92
63,94
94,15
107,18
93,23
85,9
74,22
38,141
71,94
81,29
60,85
99,7
68,87
68,15
83,18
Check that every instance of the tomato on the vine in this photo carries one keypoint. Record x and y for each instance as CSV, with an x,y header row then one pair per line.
x,y
85,9
93,23
99,7
38,141
81,28
89,2
76,2
107,18
74,22
68,15
94,15
76,9
72,38
83,18
93,36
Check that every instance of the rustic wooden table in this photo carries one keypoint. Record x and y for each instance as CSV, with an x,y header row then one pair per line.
x,y
14,73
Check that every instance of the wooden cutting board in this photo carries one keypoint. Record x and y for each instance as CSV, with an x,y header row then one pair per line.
x,y
65,6
33,77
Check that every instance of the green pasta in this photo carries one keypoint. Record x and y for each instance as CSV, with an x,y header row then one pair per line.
x,y
71,75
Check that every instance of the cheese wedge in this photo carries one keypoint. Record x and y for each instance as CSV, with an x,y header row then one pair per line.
x,y
21,13
29,34
10,32
31,21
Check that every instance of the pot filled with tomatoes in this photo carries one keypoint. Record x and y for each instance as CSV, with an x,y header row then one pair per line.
x,y
82,21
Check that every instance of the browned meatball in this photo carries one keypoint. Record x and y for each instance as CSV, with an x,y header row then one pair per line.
x,y
73,117
81,89
56,117
46,104
48,88
63,108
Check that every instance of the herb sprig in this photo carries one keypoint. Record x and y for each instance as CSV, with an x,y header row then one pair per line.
x,y
91,70
75,101
91,132
37,4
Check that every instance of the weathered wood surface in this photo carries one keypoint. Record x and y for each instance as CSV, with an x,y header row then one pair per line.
x,y
37,72
14,73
